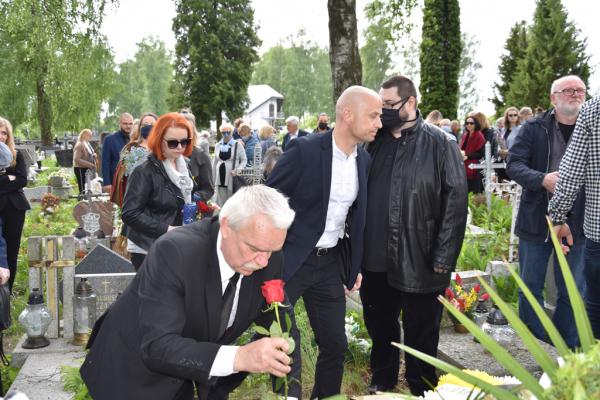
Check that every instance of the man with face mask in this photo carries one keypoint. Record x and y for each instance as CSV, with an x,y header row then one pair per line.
x,y
416,217
322,123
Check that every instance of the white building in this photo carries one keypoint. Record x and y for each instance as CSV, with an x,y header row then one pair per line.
x,y
264,107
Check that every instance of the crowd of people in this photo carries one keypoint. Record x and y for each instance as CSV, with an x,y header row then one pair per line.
x,y
376,204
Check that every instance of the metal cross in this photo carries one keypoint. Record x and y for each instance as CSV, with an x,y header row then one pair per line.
x,y
254,173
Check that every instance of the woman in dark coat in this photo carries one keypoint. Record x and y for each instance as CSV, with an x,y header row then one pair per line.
x,y
158,188
13,203
472,144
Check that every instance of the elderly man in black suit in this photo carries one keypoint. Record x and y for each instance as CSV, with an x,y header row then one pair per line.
x,y
293,132
198,290
325,177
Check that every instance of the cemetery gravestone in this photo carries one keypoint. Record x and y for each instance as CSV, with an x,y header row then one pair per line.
x,y
107,272
28,152
95,215
35,194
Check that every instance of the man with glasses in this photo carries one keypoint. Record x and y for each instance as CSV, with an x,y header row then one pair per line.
x,y
416,217
533,163
581,165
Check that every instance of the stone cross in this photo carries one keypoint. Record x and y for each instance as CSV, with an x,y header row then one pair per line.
x,y
254,173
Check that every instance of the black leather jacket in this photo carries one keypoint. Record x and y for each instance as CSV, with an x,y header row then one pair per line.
x,y
151,203
427,209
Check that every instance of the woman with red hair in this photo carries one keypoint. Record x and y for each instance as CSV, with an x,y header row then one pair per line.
x,y
158,188
472,145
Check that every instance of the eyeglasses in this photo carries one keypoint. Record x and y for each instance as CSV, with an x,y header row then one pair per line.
x,y
173,143
389,106
469,123
571,92
513,115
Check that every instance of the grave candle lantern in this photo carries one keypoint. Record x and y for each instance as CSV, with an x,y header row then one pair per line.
x,y
35,318
84,312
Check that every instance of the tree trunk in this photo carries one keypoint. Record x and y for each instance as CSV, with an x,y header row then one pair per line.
x,y
346,68
44,107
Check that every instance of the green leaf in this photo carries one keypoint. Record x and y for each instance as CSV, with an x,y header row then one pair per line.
x,y
529,340
496,391
584,328
275,330
499,352
278,383
292,344
288,322
261,330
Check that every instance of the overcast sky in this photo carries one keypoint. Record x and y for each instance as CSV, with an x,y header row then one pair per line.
x,y
489,21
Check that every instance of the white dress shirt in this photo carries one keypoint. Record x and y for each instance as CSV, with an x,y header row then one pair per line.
x,y
343,192
223,363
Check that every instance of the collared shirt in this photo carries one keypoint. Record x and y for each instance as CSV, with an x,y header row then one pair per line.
x,y
343,192
223,363
581,166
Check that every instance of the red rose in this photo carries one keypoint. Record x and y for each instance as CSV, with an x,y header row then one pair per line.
x,y
458,279
485,297
204,208
477,288
449,294
273,291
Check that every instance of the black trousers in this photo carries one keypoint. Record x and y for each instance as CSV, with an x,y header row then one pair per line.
x,y
319,283
12,227
80,176
421,317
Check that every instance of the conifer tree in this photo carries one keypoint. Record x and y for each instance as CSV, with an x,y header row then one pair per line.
x,y
515,48
553,50
215,52
440,57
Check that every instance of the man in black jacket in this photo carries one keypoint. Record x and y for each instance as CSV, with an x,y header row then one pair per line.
x,y
175,326
293,132
533,163
416,217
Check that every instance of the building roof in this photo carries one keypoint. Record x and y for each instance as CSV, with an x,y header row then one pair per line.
x,y
259,94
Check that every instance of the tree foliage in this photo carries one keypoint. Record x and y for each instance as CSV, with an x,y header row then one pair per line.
x,y
515,48
215,52
440,54
301,73
61,66
142,84
553,50
376,57
467,81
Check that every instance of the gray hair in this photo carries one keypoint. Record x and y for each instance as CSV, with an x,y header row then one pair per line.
x,y
558,81
293,120
257,199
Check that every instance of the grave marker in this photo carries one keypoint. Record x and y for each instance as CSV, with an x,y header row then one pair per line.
x,y
95,215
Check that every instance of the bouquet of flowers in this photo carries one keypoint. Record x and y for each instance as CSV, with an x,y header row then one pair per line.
x,y
464,300
49,203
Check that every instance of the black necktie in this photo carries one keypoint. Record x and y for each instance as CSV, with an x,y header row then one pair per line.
x,y
228,297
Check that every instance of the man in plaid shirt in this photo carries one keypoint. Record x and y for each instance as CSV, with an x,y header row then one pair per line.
x,y
581,166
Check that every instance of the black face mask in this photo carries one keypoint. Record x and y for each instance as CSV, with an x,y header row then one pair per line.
x,y
323,126
390,118
145,131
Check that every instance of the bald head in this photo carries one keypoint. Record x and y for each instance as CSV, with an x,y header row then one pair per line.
x,y
358,115
353,97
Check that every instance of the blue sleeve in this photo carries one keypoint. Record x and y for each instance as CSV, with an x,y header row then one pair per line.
x,y
106,161
286,173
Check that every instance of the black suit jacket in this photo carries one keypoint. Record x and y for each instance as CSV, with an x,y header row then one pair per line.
x,y
11,192
303,173
286,138
162,333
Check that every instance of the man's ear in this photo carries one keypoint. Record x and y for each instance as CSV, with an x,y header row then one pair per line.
x,y
225,228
